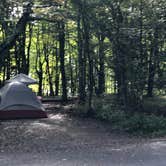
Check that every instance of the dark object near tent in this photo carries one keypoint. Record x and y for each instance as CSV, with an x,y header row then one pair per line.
x,y
22,78
18,101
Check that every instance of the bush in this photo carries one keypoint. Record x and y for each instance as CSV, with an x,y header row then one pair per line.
x,y
80,109
145,124
156,105
109,112
135,123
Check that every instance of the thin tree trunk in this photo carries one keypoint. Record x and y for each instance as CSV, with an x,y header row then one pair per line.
x,y
71,76
153,63
57,73
39,65
62,60
46,55
22,52
150,78
29,47
86,39
81,61
101,72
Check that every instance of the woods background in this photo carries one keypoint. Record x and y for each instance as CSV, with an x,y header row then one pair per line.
x,y
86,48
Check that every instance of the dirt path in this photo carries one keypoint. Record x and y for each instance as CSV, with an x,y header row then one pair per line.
x,y
62,140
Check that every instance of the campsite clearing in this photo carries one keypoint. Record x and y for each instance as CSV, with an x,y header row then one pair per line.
x,y
62,140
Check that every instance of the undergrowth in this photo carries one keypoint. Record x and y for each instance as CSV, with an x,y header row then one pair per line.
x,y
136,123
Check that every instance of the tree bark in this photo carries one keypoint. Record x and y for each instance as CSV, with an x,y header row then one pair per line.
x,y
29,47
101,72
153,63
62,59
39,65
81,61
57,73
87,54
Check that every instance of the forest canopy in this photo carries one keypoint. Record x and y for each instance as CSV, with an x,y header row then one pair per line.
x,y
86,48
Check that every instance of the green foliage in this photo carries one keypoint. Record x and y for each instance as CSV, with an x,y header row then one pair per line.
x,y
155,105
126,45
80,109
133,123
108,110
145,124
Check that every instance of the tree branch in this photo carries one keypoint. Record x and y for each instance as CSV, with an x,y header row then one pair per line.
x,y
20,27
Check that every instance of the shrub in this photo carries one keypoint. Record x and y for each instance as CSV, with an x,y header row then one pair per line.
x,y
135,123
80,109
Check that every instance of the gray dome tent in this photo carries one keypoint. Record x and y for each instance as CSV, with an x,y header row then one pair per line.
x,y
18,101
22,78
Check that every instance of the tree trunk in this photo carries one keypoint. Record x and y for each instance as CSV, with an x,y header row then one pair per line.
x,y
87,53
62,59
120,58
20,28
71,76
29,47
150,78
101,72
22,52
39,65
46,56
81,62
57,72
153,63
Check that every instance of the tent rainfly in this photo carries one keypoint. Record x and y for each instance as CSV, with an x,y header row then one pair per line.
x,y
22,78
18,101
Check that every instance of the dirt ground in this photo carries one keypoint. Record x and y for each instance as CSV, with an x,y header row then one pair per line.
x,y
63,140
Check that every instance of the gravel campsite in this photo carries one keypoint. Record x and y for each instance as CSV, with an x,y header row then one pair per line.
x,y
65,140
82,82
